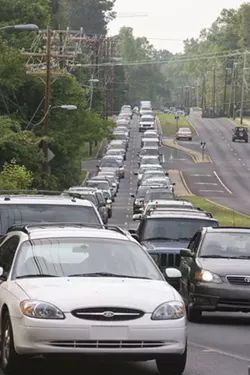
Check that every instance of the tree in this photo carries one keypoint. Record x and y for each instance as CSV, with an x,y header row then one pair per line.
x,y
92,15
15,177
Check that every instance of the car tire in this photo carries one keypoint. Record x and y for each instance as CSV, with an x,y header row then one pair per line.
x,y
190,139
193,315
173,364
246,141
11,362
233,140
110,214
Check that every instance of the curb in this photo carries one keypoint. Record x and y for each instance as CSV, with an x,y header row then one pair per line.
x,y
196,131
185,184
158,124
227,208
86,177
191,153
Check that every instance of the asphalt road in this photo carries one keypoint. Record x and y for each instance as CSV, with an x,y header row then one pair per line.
x,y
220,344
227,179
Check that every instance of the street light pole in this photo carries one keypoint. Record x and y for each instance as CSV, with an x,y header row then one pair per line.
x,y
47,100
243,88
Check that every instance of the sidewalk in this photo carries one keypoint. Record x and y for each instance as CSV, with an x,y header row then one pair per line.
x,y
181,187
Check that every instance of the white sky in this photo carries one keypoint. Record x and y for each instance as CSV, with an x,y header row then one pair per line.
x,y
176,19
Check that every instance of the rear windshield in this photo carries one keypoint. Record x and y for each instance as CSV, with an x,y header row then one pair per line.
x,y
103,185
175,229
156,195
17,214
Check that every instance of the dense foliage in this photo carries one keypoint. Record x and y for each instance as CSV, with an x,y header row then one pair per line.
x,y
22,95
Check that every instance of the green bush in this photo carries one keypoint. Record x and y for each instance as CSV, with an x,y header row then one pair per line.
x,y
15,177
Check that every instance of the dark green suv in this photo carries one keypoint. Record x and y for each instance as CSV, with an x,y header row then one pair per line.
x,y
240,133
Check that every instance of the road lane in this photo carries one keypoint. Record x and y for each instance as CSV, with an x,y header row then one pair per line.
x,y
231,162
219,344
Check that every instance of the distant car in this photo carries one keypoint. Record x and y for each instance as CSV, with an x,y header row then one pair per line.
x,y
146,122
184,133
240,133
215,271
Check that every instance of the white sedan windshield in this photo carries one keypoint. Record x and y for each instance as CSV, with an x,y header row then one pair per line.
x,y
65,257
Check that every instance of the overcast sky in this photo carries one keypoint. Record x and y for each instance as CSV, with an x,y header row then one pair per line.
x,y
166,20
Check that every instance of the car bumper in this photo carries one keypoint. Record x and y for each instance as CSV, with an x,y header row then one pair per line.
x,y
137,209
69,336
220,297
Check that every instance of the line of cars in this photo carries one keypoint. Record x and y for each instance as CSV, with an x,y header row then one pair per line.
x,y
71,285
213,261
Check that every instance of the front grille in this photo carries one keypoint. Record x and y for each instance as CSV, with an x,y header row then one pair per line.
x,y
234,302
166,260
107,344
108,313
239,280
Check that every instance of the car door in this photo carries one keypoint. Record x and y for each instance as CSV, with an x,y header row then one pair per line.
x,y
186,265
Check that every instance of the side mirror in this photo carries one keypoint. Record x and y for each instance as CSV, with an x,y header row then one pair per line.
x,y
173,183
186,253
137,217
173,277
97,165
132,195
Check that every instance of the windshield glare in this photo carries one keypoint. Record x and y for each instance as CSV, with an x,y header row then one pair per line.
x,y
226,245
103,185
150,161
150,144
62,257
173,228
152,196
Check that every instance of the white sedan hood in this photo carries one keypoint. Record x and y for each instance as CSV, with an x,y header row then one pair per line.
x,y
72,293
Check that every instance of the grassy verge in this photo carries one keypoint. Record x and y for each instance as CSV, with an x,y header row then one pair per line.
x,y
168,123
85,151
225,216
237,122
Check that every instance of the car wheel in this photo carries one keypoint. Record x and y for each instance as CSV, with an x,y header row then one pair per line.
x,y
110,214
10,360
173,364
190,139
246,140
193,315
233,140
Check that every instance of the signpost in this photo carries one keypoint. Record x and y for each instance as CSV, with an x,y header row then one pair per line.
x,y
203,145
51,155
177,118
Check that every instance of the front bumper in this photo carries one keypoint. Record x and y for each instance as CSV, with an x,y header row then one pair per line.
x,y
220,297
137,209
75,336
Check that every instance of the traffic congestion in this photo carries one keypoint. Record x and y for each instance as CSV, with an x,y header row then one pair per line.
x,y
81,282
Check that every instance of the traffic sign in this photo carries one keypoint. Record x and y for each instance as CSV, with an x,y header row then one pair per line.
x,y
51,155
203,145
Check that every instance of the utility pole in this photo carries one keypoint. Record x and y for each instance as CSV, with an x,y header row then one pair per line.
x,y
234,89
243,88
214,90
225,92
230,97
47,100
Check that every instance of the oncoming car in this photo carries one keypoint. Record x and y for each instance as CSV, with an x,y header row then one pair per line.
x,y
84,290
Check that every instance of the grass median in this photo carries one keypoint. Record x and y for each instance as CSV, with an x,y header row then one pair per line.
x,y
85,151
225,216
168,123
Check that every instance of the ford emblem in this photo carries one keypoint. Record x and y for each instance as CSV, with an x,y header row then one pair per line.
x,y
110,314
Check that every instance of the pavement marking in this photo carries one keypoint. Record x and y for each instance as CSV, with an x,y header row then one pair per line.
x,y
200,175
212,191
206,183
222,183
218,351
239,159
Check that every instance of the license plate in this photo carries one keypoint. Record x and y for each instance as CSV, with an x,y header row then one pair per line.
x,y
109,333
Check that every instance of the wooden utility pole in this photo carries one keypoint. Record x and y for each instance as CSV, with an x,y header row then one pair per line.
x,y
47,99
214,90
234,90
243,88
225,93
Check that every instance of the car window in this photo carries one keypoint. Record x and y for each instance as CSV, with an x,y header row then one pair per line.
x,y
173,228
63,257
14,214
226,244
7,253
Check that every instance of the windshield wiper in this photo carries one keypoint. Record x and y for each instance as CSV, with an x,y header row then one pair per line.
x,y
39,275
216,256
106,274
159,238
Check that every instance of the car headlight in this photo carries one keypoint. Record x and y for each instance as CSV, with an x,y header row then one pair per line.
x,y
207,276
41,310
169,311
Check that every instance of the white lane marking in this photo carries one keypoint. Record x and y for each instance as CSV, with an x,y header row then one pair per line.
x,y
218,351
232,149
222,183
206,183
200,175
212,191
235,154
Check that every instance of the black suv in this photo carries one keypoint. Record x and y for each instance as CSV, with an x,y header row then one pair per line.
x,y
240,133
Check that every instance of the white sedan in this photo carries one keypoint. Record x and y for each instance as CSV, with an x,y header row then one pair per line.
x,y
184,133
71,289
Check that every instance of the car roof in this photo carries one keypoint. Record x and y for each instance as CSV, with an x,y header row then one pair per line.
x,y
170,202
228,229
48,230
44,199
186,128
179,215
